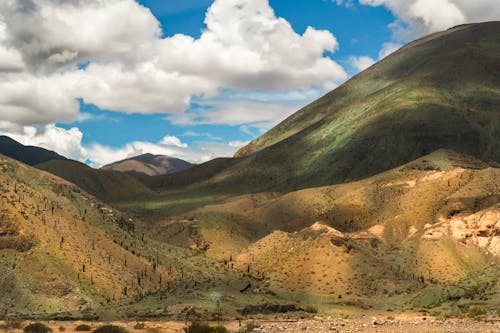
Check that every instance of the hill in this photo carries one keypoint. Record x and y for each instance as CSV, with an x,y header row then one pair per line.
x,y
27,154
64,254
409,237
106,185
149,164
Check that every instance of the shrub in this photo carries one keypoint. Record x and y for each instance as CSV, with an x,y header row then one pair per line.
x,y
476,311
37,328
111,329
62,329
311,309
83,328
200,328
139,326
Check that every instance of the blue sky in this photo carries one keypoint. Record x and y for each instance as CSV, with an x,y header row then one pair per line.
x,y
100,81
360,30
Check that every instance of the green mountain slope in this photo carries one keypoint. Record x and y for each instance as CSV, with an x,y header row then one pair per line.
x,y
439,92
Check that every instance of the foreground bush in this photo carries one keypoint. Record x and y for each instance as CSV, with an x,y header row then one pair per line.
x,y
83,328
37,328
200,328
111,329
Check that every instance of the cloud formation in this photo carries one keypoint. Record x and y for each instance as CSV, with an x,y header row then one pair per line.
x,y
361,63
111,53
416,18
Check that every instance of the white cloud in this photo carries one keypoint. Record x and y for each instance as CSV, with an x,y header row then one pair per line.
x,y
388,48
10,58
129,67
67,143
173,141
252,113
416,18
361,63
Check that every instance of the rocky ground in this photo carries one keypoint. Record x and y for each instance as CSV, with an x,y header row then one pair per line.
x,y
409,325
406,324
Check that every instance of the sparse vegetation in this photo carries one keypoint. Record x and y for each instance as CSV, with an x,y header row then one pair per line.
x,y
37,328
111,329
202,328
311,309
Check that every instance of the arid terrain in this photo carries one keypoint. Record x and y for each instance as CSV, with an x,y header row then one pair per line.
x,y
369,323
374,209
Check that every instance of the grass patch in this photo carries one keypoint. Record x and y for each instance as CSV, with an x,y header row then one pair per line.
x,y
311,309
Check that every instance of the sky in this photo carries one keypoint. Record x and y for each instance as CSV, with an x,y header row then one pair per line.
x,y
103,80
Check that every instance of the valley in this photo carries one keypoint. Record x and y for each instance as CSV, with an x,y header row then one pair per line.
x,y
380,199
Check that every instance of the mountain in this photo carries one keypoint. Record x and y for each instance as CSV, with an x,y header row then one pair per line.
x,y
26,154
149,164
439,92
417,236
107,185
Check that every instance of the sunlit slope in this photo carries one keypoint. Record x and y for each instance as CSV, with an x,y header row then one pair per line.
x,y
433,223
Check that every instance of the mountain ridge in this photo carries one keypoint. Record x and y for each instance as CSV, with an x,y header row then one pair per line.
x,y
149,165
30,155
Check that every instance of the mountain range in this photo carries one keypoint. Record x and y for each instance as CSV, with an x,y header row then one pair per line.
x,y
384,193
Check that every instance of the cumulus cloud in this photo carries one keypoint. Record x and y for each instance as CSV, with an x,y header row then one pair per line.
x,y
361,63
67,143
250,110
111,53
388,48
419,17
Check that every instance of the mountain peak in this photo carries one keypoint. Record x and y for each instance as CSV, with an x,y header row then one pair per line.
x,y
149,164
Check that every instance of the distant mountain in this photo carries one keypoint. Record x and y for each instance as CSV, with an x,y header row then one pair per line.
x,y
106,185
27,154
149,164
